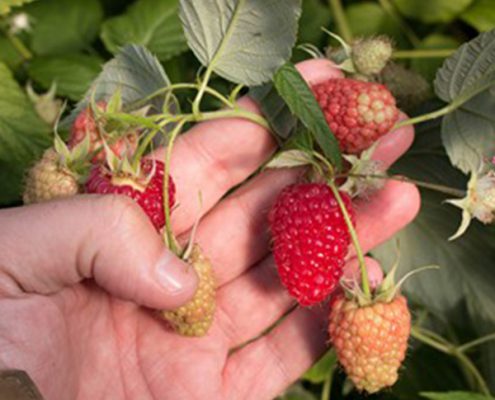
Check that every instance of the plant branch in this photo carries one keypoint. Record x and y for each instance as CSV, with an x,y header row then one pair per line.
x,y
423,53
327,386
168,233
233,113
482,340
426,337
341,20
426,117
202,88
427,185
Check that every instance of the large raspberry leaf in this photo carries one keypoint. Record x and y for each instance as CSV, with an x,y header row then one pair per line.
x,y
23,136
244,41
429,11
63,26
481,15
467,81
462,291
135,72
73,73
151,23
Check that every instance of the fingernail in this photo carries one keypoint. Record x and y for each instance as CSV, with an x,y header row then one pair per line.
x,y
174,275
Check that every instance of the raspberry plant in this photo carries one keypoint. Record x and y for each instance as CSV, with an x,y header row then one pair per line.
x,y
182,64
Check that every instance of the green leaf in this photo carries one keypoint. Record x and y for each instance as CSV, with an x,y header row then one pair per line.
x,y
297,392
301,101
151,23
325,366
455,396
61,26
72,73
315,15
464,80
290,159
23,136
242,41
431,11
465,275
273,107
134,71
429,66
480,15
6,5
367,18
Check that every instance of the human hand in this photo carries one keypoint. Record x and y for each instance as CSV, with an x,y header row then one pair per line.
x,y
75,275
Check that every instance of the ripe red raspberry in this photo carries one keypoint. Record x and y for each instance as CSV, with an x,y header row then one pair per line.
x,y
371,340
85,124
146,190
310,240
357,112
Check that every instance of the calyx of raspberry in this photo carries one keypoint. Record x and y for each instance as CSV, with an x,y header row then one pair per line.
x,y
124,172
479,202
362,180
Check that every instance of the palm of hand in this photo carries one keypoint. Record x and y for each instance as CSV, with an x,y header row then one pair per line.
x,y
81,342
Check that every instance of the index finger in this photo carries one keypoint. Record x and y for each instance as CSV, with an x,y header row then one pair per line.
x,y
214,156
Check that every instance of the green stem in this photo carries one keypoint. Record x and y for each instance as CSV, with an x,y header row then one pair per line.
x,y
327,386
20,47
448,348
423,53
168,233
143,146
427,117
355,241
468,364
468,346
390,9
418,334
341,20
233,113
183,86
427,185
199,96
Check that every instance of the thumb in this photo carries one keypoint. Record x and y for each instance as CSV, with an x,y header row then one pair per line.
x,y
46,247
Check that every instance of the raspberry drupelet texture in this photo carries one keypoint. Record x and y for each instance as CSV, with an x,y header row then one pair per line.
x,y
147,191
196,316
358,113
48,180
370,341
310,240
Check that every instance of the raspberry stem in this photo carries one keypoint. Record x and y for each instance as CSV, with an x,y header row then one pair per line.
x,y
169,237
428,338
355,241
18,44
399,178
482,340
424,53
453,105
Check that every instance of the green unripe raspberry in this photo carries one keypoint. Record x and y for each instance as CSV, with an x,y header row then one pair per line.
x,y
371,55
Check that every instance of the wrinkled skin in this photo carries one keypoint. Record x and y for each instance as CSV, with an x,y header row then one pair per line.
x,y
75,275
